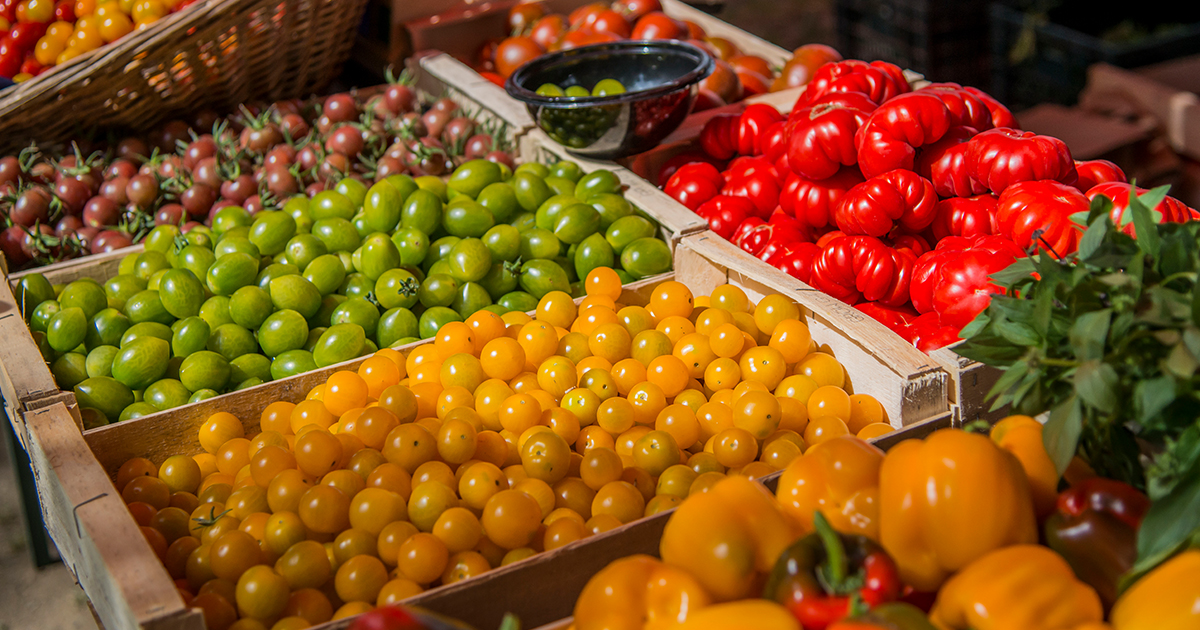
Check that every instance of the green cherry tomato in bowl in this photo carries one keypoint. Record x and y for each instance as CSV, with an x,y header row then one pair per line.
x,y
549,89
576,91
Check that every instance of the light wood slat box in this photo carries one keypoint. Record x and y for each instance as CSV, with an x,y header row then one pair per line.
x,y
129,588
970,380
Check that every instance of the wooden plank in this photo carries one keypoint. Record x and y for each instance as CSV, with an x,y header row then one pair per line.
x,y
24,375
911,386
95,535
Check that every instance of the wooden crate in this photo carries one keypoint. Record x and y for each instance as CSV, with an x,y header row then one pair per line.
x,y
970,381
130,589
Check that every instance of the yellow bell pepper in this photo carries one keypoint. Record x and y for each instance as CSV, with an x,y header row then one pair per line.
x,y
947,500
1022,436
728,538
1167,598
638,593
839,478
1026,587
750,614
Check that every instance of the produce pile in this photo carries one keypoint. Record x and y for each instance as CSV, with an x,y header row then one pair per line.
x,y
267,296
97,196
504,437
901,202
941,533
737,75
40,34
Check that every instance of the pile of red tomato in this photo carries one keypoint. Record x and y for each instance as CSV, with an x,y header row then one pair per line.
x,y
40,34
900,202
737,75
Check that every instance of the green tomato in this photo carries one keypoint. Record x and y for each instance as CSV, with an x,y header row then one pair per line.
x,y
539,243
593,252
518,301
473,176
86,295
106,328
356,285
232,272
504,242
597,183
190,336
291,363
357,311
31,291
422,211
326,273
549,89
146,329
471,297
233,243
576,91
230,217
533,168
611,207
434,185
524,222
529,190
232,341
469,260
439,249
329,304
166,393
272,231
608,87
331,204
283,331
249,306
141,362
381,208
464,217
403,184
205,370
39,321
396,324
295,293
539,277
500,199
338,234
575,223
196,259
397,288
119,289
434,318
181,293
104,394
147,306
203,394
69,370
437,290
548,212
302,249
412,244
625,230
500,279
352,189
379,254
566,170
99,361
249,366
274,270
215,311
340,342
560,186
646,257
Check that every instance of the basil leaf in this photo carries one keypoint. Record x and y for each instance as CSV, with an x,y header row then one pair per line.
x,y
1061,433
1096,385
1169,523
1089,334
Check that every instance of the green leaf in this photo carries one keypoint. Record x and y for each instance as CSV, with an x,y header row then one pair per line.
x,y
1169,523
1089,334
1043,310
1011,377
1181,362
1101,206
1096,385
1017,333
1021,269
978,324
1148,239
1061,433
1092,239
1153,395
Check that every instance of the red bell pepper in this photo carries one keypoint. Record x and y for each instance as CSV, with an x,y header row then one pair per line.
x,y
1001,157
756,179
896,318
819,576
1171,210
964,106
813,202
1094,528
875,206
1095,172
725,214
1037,214
944,164
851,268
694,183
1001,116
879,80
890,137
820,137
965,216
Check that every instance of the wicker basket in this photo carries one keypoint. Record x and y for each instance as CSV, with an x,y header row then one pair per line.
x,y
214,54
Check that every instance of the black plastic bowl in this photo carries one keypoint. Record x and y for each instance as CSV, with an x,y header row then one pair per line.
x,y
661,79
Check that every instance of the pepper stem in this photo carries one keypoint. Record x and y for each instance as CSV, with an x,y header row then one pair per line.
x,y
835,551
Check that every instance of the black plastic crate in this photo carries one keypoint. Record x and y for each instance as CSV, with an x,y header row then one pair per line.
x,y
1054,68
946,40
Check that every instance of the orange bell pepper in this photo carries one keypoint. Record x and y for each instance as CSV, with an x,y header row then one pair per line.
x,y
947,500
728,538
638,593
750,614
1167,598
1024,586
840,478
1022,436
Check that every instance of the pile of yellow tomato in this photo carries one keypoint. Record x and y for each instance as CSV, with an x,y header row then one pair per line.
x,y
505,436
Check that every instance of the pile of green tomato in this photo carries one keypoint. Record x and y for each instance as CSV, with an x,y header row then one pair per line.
x,y
329,279
603,87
